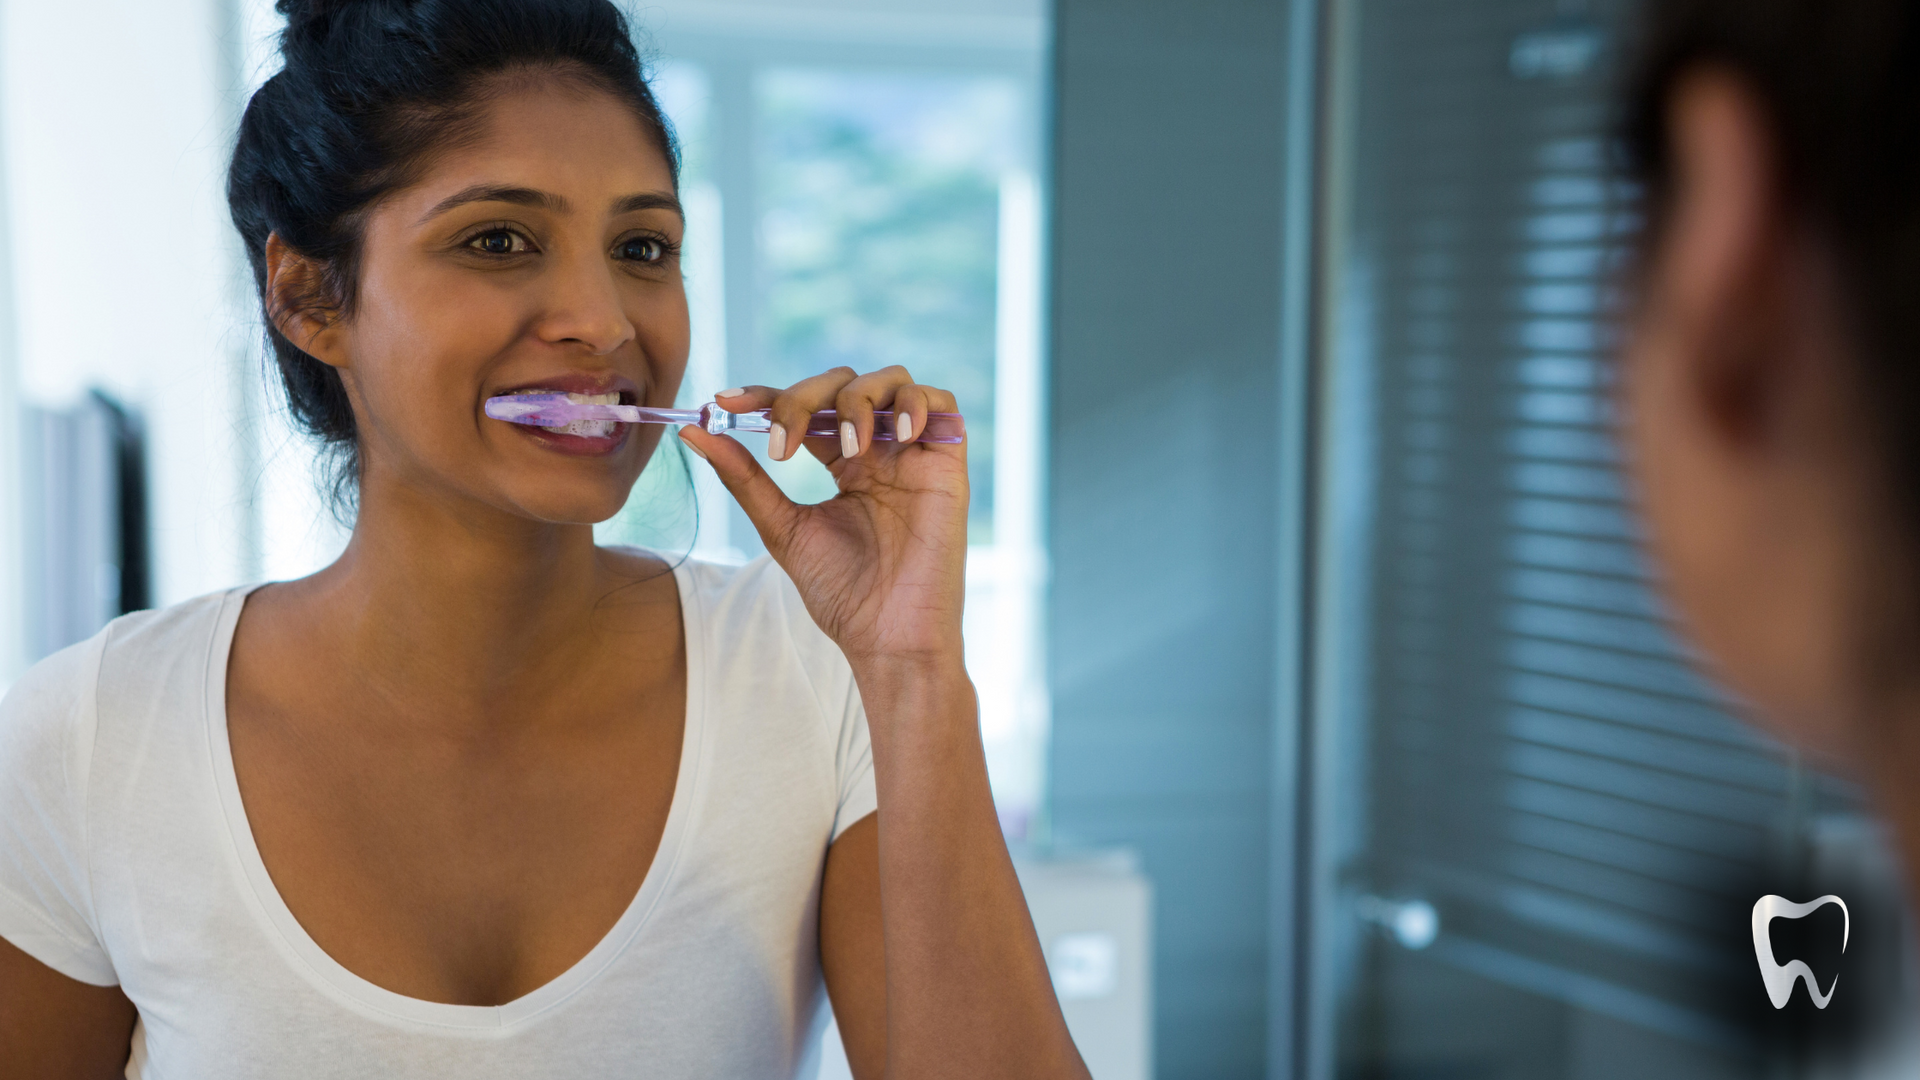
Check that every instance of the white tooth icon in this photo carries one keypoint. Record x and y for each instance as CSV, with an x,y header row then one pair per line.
x,y
1781,977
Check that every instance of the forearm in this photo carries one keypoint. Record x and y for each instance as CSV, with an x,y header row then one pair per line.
x,y
968,993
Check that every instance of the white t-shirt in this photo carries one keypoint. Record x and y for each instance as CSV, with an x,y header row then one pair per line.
x,y
126,857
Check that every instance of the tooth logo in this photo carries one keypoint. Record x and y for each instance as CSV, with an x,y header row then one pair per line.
x,y
1778,977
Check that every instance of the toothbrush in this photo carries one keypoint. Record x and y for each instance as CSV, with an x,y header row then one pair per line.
x,y
562,410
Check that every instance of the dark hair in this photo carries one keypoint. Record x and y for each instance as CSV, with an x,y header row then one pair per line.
x,y
1839,81
371,88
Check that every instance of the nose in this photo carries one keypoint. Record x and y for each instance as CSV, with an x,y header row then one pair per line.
x,y
583,307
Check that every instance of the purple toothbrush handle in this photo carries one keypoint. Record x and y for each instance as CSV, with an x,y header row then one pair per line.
x,y
945,428
948,429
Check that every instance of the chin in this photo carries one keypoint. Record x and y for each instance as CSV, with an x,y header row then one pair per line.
x,y
560,496
568,501
577,480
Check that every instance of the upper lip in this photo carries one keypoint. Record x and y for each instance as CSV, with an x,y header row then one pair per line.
x,y
579,382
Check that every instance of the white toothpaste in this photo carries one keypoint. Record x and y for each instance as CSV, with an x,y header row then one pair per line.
x,y
590,429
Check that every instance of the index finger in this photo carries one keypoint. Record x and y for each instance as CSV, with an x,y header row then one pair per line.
x,y
741,399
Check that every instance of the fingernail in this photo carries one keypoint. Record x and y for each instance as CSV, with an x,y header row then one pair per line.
x,y
688,443
903,427
849,442
776,442
734,392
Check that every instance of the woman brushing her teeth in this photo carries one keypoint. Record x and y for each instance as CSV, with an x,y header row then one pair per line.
x,y
481,799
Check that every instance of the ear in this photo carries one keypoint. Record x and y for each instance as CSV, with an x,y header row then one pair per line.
x,y
298,304
1742,432
1727,274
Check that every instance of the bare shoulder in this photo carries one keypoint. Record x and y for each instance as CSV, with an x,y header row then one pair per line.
x,y
638,571
280,647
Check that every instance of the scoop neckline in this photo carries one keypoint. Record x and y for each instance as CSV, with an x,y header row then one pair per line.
x,y
332,977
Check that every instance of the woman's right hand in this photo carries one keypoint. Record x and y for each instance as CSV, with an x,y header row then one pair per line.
x,y
882,565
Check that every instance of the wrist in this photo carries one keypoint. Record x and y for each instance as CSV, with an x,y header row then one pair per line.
x,y
890,678
940,653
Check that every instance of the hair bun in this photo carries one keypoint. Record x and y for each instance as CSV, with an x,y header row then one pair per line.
x,y
301,12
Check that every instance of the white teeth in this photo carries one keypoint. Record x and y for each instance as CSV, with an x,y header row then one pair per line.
x,y
591,429
577,399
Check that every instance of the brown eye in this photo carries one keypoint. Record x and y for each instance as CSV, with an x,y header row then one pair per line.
x,y
497,242
643,249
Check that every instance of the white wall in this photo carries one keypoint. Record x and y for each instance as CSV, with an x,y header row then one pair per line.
x,y
116,117
12,582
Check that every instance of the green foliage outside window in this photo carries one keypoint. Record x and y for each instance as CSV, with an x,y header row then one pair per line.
x,y
880,232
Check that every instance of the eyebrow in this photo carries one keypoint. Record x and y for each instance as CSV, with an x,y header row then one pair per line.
x,y
524,196
652,200
505,193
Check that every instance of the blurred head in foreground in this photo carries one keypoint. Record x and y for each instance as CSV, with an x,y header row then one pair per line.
x,y
1772,382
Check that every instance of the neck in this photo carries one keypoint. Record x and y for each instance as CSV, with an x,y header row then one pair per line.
x,y
486,611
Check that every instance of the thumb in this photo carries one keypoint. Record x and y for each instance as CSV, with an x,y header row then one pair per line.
x,y
773,515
